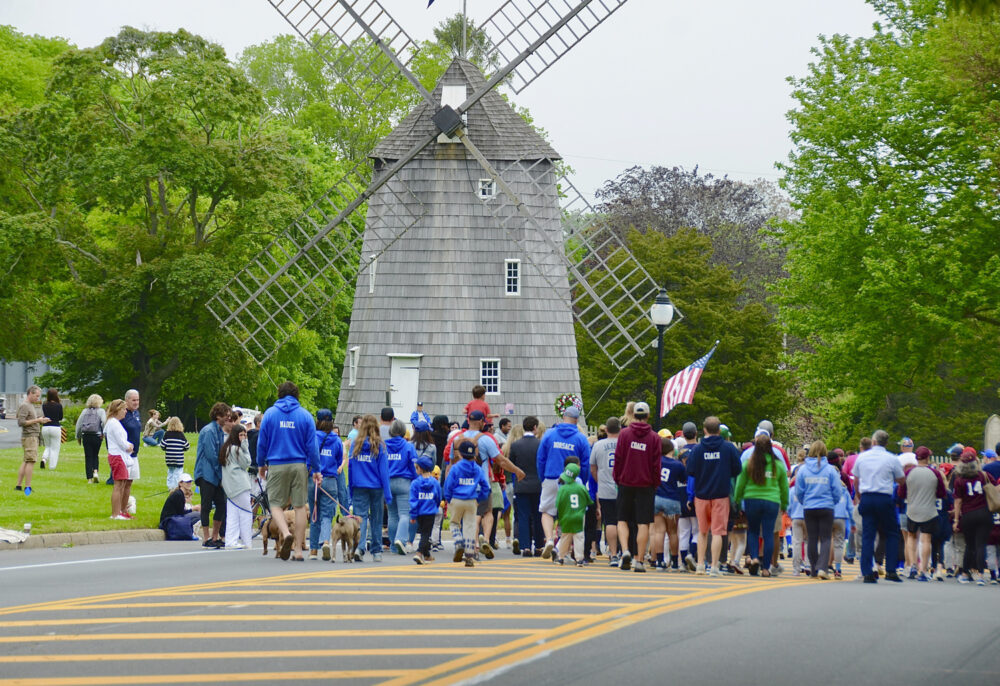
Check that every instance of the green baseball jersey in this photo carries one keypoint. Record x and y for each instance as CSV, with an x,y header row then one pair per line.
x,y
572,502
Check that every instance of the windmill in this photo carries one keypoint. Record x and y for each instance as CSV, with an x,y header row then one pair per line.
x,y
476,255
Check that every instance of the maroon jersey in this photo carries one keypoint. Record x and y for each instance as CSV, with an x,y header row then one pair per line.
x,y
970,491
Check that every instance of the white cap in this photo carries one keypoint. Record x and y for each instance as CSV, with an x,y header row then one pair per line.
x,y
185,477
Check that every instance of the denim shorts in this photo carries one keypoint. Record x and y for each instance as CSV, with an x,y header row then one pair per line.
x,y
666,506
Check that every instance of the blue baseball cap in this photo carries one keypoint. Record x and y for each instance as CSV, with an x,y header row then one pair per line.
x,y
324,415
991,454
421,425
425,463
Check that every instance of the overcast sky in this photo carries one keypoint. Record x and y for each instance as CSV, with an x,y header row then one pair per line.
x,y
663,82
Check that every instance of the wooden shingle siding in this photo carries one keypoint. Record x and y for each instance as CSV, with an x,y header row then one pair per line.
x,y
439,289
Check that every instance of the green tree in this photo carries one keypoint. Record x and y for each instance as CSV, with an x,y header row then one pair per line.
x,y
742,383
893,267
147,176
25,65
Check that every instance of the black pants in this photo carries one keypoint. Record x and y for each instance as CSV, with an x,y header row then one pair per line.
x,y
590,532
497,513
425,524
211,495
819,529
976,525
91,453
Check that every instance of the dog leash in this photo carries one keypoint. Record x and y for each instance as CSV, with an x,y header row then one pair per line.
x,y
316,492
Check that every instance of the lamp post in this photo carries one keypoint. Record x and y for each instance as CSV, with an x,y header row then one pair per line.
x,y
661,313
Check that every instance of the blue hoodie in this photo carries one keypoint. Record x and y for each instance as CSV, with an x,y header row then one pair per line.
x,y
425,496
331,453
713,463
370,471
845,508
466,481
287,435
206,466
817,484
401,458
795,510
673,480
558,443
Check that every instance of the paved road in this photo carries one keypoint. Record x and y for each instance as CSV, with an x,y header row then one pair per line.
x,y
10,434
172,613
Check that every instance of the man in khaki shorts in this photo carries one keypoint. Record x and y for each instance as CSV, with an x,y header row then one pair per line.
x,y
285,445
30,422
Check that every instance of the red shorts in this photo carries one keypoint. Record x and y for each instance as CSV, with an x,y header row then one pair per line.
x,y
713,515
119,472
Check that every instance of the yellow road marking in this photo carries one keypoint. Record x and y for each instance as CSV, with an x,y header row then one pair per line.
x,y
340,603
187,619
562,636
245,635
478,593
239,654
205,678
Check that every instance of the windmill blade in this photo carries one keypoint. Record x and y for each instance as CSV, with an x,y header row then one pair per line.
x,y
359,39
518,24
610,291
301,271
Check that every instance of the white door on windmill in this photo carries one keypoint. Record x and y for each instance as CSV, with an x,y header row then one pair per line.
x,y
404,383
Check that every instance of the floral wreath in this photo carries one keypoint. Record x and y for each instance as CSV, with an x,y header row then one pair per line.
x,y
567,400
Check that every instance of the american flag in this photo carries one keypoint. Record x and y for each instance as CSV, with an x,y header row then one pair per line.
x,y
680,387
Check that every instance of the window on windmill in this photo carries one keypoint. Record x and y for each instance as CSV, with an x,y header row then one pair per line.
x,y
454,95
489,376
352,365
487,189
512,277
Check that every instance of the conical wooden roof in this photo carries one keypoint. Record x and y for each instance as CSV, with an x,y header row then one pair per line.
x,y
496,129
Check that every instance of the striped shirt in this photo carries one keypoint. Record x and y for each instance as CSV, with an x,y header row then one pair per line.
x,y
174,444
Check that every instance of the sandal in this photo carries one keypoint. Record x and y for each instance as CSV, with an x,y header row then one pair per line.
x,y
765,572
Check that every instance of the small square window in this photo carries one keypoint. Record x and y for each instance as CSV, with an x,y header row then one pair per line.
x,y
512,277
487,189
489,376
352,365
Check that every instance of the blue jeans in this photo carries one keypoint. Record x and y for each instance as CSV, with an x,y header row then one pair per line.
x,y
344,495
878,516
368,504
399,509
760,524
321,523
529,520
154,440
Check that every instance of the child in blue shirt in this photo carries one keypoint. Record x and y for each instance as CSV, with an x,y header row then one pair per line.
x,y
425,496
463,487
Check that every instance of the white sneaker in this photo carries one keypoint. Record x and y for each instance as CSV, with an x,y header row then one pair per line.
x,y
400,548
547,551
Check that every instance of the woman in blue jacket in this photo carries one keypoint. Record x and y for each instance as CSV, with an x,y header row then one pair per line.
x,y
402,457
370,492
322,505
817,485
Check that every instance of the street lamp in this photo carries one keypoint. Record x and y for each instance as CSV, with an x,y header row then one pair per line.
x,y
661,313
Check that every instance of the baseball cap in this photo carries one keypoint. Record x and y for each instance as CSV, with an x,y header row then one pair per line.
x,y
421,425
923,452
907,442
467,449
569,475
185,477
387,414
761,432
324,415
665,433
992,454
420,403
642,408
767,426
956,449
425,463
968,455
573,412
725,432
476,416
689,429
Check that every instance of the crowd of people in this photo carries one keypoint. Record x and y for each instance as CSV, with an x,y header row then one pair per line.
x,y
694,501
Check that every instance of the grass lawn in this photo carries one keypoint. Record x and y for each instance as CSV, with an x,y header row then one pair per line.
x,y
62,501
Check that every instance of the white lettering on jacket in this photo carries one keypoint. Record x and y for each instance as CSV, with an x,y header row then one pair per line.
x,y
815,480
563,446
425,496
286,424
466,482
712,456
636,445
326,452
395,456
364,457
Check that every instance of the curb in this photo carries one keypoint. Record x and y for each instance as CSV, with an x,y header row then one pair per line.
x,y
85,538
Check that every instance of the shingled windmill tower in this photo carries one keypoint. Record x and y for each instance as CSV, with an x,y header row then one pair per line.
x,y
456,302
474,258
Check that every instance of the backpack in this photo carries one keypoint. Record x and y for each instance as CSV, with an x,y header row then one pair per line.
x,y
178,528
91,421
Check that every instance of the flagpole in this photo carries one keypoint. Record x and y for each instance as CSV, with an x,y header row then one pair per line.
x,y
465,54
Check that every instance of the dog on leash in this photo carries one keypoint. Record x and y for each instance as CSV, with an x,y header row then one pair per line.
x,y
271,531
346,530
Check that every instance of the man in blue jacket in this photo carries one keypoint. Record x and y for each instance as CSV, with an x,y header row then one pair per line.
x,y
285,446
208,473
713,464
561,441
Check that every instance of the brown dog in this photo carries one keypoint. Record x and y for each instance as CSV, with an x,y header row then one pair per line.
x,y
270,530
346,530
